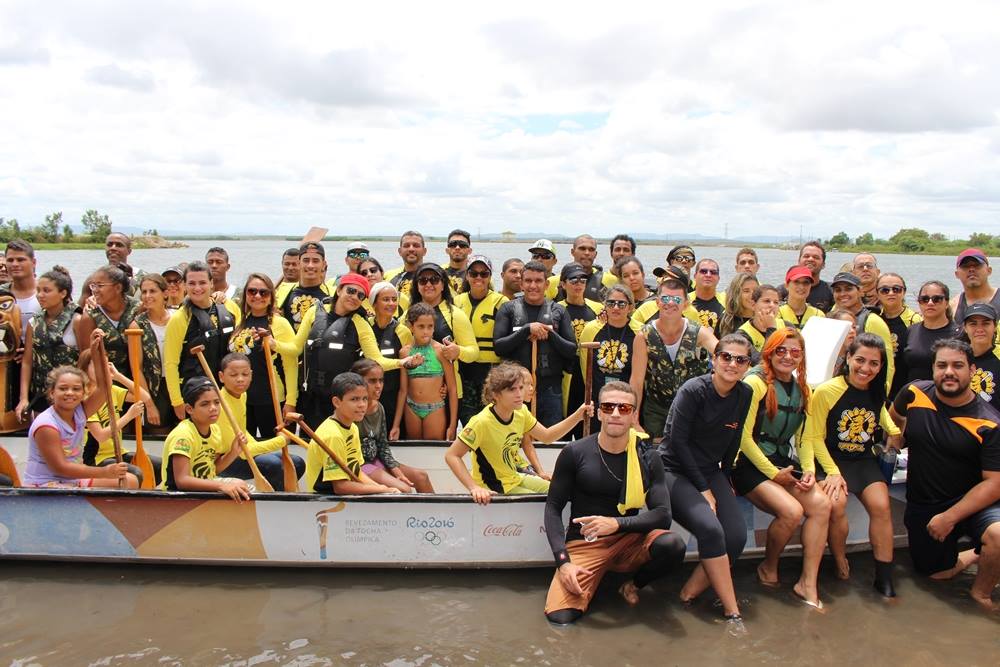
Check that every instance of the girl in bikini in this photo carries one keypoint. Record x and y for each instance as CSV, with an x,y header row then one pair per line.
x,y
420,388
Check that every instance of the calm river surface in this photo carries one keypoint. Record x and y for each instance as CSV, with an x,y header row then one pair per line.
x,y
63,614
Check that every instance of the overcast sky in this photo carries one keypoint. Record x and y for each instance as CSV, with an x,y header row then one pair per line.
x,y
866,116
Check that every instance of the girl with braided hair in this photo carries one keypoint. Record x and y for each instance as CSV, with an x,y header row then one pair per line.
x,y
764,471
259,319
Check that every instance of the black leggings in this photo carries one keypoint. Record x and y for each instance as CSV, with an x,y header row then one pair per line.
x,y
260,421
666,554
6,481
155,461
718,533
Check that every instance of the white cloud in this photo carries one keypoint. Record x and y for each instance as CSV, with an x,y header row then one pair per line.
x,y
254,116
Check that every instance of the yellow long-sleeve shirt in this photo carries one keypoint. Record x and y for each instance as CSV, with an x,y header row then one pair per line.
x,y
173,347
238,406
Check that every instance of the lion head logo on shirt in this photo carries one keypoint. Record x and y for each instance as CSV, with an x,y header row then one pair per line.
x,y
301,304
983,384
242,341
612,356
855,428
708,318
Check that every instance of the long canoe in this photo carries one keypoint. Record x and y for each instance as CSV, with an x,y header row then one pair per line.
x,y
445,530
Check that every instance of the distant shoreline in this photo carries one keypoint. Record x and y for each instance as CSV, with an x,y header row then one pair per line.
x,y
875,249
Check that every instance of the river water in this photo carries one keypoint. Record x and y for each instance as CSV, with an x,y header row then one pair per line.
x,y
69,614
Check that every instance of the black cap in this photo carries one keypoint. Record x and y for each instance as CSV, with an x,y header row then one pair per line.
x,y
672,273
312,246
194,387
845,277
983,309
431,266
572,270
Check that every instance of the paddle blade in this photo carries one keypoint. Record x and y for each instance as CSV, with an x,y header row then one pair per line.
x,y
291,480
315,235
141,461
8,468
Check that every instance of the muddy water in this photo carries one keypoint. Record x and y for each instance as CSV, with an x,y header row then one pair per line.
x,y
55,614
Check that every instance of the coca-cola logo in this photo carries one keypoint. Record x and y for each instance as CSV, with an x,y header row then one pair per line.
x,y
504,530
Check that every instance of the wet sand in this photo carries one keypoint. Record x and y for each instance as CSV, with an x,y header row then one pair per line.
x,y
61,614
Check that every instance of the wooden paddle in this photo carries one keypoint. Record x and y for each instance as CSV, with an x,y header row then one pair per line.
x,y
291,480
314,235
140,460
588,379
534,377
8,468
259,481
99,356
296,417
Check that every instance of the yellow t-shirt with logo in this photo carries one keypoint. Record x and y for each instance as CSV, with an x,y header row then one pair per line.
x,y
496,447
321,469
186,441
106,449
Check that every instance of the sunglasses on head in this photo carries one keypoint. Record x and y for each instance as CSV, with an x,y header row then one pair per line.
x,y
429,280
671,298
891,289
358,254
258,291
738,359
478,274
930,298
615,303
458,244
793,352
622,408
542,255
708,272
351,290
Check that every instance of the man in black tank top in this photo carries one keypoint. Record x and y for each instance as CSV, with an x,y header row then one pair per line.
x,y
972,268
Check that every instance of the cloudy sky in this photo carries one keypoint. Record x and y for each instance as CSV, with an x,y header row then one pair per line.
x,y
264,117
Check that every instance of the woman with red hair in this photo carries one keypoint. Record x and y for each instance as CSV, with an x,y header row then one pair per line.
x,y
764,471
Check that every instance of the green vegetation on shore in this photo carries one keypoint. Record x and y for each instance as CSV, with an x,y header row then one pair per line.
x,y
53,234
912,241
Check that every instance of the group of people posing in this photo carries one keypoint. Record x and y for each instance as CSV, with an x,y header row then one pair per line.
x,y
677,396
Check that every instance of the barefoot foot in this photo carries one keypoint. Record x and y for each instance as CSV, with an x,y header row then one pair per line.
x,y
630,592
768,578
843,568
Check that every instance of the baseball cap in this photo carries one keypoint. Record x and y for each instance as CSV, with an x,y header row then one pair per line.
x,y
355,279
357,245
572,270
544,245
172,269
799,271
982,309
845,277
678,249
671,273
312,246
481,259
971,253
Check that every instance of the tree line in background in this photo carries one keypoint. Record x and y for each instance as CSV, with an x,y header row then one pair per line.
x,y
912,240
96,227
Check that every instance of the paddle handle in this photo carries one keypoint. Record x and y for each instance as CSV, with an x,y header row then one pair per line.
x,y
134,339
100,356
290,480
588,381
325,447
259,481
534,377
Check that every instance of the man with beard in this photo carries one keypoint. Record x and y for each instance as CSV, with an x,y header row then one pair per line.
x,y
289,268
117,248
459,248
584,252
510,274
412,250
607,478
953,472
973,270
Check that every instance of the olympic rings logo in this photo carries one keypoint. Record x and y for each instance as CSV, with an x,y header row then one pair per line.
x,y
433,538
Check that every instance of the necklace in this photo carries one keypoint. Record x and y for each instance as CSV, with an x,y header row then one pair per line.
x,y
600,452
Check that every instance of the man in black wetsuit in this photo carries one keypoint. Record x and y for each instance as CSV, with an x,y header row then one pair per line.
x,y
607,478
532,317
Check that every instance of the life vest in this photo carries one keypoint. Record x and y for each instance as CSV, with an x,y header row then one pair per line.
x,y
332,347
595,291
203,331
48,349
483,318
442,322
774,435
757,339
521,314
665,376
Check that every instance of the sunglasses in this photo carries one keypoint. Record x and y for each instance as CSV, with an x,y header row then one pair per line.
x,y
670,298
891,289
708,272
358,254
687,259
622,408
173,281
738,359
577,280
370,271
614,303
542,255
864,265
478,274
930,298
782,351
429,280
458,244
258,291
351,290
